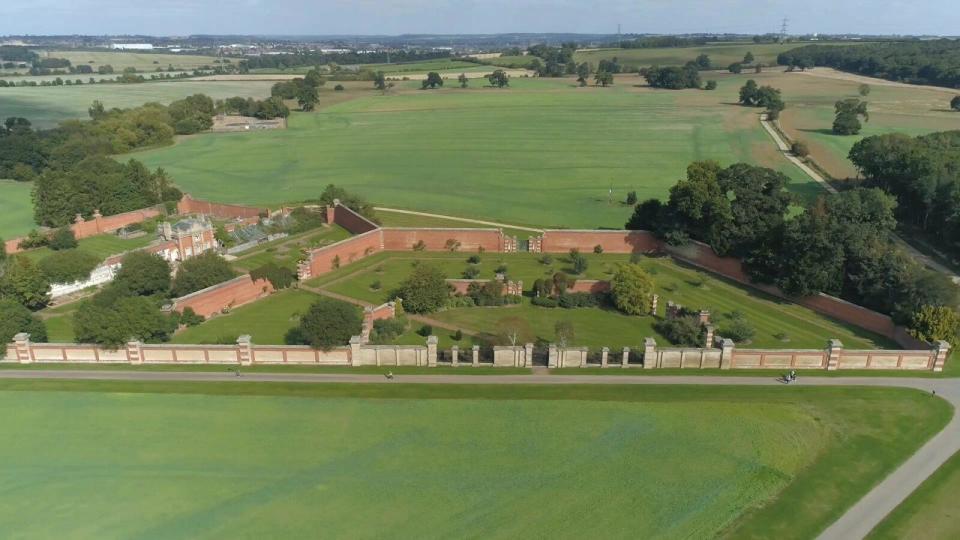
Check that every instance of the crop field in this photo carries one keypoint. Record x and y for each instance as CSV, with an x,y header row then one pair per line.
x,y
49,105
810,99
542,153
721,55
202,460
141,61
777,323
16,208
930,513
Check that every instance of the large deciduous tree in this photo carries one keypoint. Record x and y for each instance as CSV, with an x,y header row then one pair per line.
x,y
328,323
16,318
632,289
200,272
425,290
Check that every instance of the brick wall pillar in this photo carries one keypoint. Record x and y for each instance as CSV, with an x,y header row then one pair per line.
x,y
726,353
355,343
653,304
649,353
708,341
455,356
135,352
245,350
604,353
941,350
331,213
21,343
475,359
553,358
432,351
98,221
528,355
625,361
834,348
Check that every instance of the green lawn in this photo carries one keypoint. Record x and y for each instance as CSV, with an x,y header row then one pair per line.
x,y
102,245
930,513
266,321
254,460
16,208
49,105
541,153
596,327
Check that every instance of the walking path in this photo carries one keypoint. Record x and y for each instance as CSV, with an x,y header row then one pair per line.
x,y
856,523
454,218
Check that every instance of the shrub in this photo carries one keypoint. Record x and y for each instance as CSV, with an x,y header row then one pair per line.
x,y
546,260
739,330
459,301
68,266
376,285
338,88
189,317
544,301
580,263
711,85
419,246
486,294
500,269
933,323
425,330
452,244
457,336
685,331
598,249
631,198
799,149
473,259
579,300
472,272
62,238
34,239
387,330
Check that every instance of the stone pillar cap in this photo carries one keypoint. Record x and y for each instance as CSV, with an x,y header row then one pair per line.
x,y
22,336
244,339
432,340
649,341
356,340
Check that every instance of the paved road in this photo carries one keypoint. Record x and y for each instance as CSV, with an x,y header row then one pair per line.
x,y
856,523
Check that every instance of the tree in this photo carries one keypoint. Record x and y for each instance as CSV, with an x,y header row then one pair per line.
x,y
223,237
847,120
433,80
24,283
327,324
749,93
799,149
748,58
307,97
564,331
514,331
631,198
499,78
583,73
711,85
143,274
603,78
62,238
955,103
380,81
632,289
685,330
935,323
735,67
425,290
15,318
113,321
703,61
864,90
578,261
647,216
280,277
68,266
463,80
200,272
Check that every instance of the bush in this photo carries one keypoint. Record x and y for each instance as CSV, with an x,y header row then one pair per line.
x,y
472,272
546,260
338,88
739,330
579,300
711,85
189,317
598,249
457,336
419,246
327,324
933,323
62,238
500,269
544,301
473,259
799,149
459,301
580,263
685,331
632,289
387,330
631,198
34,239
486,294
376,285
68,266
425,330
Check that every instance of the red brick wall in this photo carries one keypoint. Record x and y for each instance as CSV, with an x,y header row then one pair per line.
x,y
352,221
589,286
350,250
703,256
98,225
851,313
403,239
189,205
13,245
383,311
233,293
560,241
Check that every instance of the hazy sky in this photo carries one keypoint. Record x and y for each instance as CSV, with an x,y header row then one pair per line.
x,y
181,17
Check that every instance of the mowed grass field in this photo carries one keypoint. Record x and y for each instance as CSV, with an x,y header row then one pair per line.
x,y
542,153
253,460
930,513
139,60
893,108
16,209
47,106
721,54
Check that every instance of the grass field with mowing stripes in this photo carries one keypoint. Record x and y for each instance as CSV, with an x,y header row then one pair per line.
x,y
201,460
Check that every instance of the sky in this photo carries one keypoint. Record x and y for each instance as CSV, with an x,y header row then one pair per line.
x,y
391,17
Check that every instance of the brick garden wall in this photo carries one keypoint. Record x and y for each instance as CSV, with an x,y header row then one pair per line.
x,y
326,259
189,205
403,239
97,225
352,221
595,286
562,241
233,293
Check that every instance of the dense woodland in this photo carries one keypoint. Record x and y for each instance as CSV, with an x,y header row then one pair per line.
x,y
920,62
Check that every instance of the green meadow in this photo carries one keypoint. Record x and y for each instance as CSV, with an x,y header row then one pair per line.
x,y
139,60
543,152
930,513
254,460
721,54
16,209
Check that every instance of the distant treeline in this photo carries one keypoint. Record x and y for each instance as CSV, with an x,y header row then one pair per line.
x,y
314,58
919,62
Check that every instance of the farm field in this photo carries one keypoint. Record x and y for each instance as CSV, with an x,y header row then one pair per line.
x,y
721,54
47,106
542,153
480,450
16,209
141,61
810,99
85,77
599,327
930,513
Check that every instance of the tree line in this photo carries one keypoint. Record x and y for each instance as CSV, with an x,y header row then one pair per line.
x,y
839,245
317,58
918,62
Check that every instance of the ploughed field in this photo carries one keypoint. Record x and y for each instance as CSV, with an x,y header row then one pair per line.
x,y
224,460
542,152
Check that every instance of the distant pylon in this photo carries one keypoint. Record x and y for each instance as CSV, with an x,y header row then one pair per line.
x,y
783,30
